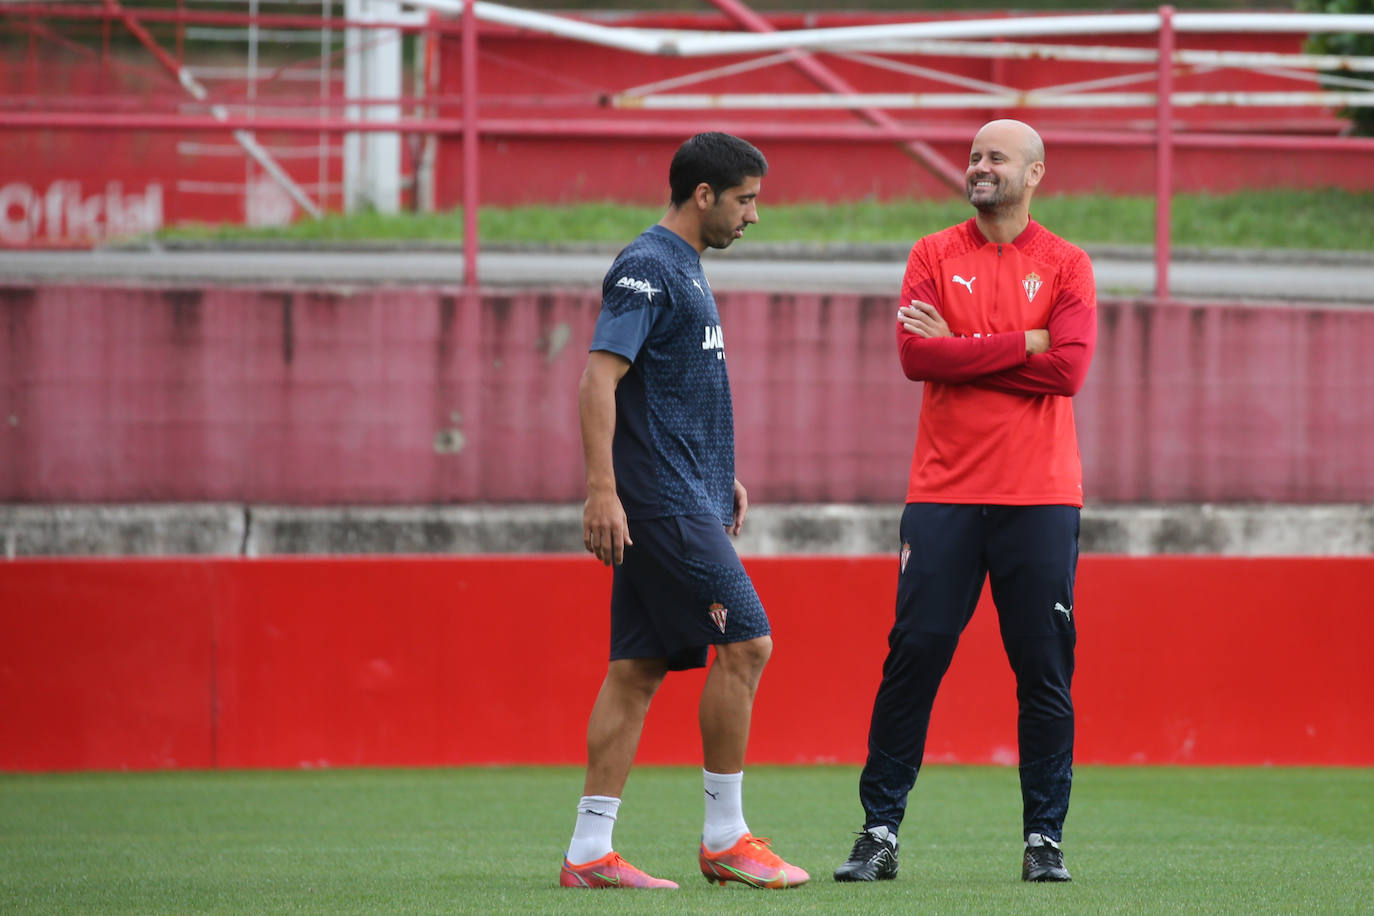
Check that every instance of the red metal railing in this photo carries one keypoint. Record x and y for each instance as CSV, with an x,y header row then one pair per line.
x,y
1164,152
473,127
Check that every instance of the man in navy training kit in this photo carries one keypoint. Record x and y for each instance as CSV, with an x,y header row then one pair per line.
x,y
999,320
658,439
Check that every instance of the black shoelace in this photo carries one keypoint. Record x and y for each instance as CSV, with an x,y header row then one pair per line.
x,y
869,847
1046,856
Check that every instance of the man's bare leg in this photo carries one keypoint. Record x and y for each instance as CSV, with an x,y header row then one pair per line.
x,y
617,721
727,702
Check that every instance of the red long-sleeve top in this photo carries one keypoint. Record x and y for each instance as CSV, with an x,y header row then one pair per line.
x,y
997,425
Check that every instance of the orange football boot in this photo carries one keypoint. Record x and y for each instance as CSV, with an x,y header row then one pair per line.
x,y
751,862
609,871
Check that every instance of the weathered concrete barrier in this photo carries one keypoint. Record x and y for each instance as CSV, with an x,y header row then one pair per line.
x,y
770,530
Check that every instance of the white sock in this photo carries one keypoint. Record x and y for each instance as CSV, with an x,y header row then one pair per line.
x,y
883,833
724,811
591,838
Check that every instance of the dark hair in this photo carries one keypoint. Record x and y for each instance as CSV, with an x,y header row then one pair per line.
x,y
721,160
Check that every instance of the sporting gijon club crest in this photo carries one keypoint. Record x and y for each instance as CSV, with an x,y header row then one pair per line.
x,y
718,612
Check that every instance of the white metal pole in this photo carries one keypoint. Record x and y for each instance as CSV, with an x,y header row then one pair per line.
x,y
251,210
383,81
326,73
353,83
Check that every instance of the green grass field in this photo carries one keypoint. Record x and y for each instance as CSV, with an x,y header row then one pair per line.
x,y
1283,219
489,840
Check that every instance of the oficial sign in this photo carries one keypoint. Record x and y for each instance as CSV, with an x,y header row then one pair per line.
x,y
64,213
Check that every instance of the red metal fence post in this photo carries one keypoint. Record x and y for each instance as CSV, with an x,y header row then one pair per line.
x,y
1164,152
470,174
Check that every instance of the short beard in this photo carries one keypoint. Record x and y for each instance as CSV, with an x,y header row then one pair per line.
x,y
988,206
997,203
721,242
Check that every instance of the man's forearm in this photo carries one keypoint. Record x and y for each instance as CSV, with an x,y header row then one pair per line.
x,y
959,359
596,415
1063,368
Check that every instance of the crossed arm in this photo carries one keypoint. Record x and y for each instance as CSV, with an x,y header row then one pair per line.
x,y
1038,361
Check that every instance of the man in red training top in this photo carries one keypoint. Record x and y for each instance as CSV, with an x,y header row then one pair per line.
x,y
1000,324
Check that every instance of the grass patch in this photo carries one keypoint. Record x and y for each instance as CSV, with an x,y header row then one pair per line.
x,y
1323,219
488,840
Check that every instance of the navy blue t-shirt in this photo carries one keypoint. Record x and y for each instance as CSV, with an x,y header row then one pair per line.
x,y
674,447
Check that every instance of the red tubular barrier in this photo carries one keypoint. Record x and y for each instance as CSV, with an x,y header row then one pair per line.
x,y
97,149
1164,152
151,664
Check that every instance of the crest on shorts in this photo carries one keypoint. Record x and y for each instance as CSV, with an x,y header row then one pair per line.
x,y
1032,285
906,555
718,612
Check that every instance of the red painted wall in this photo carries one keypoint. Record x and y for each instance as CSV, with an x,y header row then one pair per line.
x,y
413,395
149,664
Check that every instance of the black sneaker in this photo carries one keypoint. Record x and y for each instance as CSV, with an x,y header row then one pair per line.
x,y
873,858
1043,861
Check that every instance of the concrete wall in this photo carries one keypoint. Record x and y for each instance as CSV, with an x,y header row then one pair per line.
x,y
422,396
850,530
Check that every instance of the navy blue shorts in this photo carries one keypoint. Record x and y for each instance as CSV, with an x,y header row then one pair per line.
x,y
681,590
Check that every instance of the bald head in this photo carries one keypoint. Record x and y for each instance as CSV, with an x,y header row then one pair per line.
x,y
1005,165
1011,134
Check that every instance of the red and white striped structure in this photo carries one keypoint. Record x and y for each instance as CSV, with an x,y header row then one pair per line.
x,y
533,107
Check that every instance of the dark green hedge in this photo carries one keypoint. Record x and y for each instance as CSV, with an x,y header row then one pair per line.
x,y
1345,44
